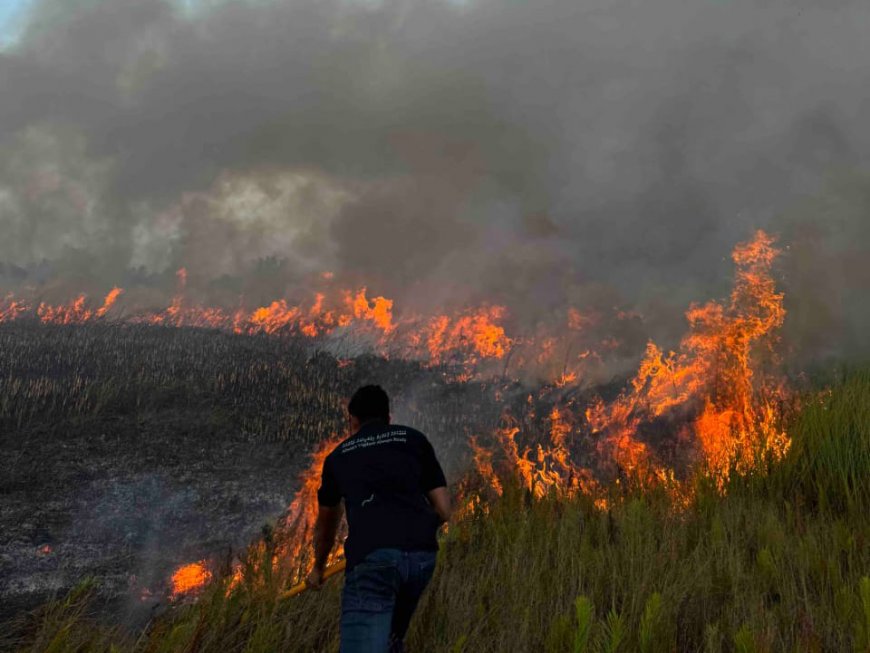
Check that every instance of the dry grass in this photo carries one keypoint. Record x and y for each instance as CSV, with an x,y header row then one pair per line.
x,y
781,562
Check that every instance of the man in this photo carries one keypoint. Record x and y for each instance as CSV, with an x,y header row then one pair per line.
x,y
396,498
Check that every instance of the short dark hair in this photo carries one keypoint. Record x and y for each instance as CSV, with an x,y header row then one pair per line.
x,y
368,403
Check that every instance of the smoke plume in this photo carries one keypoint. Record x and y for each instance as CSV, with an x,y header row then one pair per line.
x,y
537,154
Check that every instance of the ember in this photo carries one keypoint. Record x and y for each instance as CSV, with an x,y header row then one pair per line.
x,y
190,578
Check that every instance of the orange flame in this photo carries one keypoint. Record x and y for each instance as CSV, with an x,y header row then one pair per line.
x,y
718,369
379,310
716,379
109,301
475,335
471,336
547,469
190,578
298,526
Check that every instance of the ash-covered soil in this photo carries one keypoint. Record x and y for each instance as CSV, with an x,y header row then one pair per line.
x,y
128,450
126,500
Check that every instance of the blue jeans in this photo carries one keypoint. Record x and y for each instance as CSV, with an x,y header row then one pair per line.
x,y
380,595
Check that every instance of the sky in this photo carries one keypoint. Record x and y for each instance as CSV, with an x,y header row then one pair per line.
x,y
535,154
9,10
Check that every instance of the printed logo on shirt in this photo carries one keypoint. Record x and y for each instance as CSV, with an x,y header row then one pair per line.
x,y
396,435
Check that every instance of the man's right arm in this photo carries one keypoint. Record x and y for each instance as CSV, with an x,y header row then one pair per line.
x,y
325,528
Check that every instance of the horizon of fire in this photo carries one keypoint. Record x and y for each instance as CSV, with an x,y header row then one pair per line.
x,y
562,350
476,332
717,381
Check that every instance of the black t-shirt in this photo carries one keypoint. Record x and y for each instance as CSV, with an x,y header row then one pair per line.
x,y
383,472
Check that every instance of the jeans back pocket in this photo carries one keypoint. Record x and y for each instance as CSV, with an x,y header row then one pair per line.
x,y
371,586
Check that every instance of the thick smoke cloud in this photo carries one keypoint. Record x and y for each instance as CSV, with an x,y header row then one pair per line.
x,y
532,153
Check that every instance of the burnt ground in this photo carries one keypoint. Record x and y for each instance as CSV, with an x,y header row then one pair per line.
x,y
126,500
128,450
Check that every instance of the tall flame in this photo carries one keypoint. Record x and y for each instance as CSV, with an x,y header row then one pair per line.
x,y
715,386
718,372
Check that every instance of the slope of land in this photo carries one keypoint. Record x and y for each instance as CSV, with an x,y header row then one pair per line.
x,y
127,450
777,560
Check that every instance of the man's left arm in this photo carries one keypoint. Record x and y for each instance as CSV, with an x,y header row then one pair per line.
x,y
433,483
439,497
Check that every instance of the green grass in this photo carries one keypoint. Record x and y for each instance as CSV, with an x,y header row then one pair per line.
x,y
780,563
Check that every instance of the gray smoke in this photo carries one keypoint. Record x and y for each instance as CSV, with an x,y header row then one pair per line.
x,y
537,153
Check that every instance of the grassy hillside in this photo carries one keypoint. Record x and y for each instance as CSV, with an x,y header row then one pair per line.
x,y
781,562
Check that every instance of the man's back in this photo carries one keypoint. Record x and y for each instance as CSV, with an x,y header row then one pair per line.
x,y
384,472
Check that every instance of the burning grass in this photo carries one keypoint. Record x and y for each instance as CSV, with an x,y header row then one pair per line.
x,y
675,516
471,335
718,398
780,561
568,347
